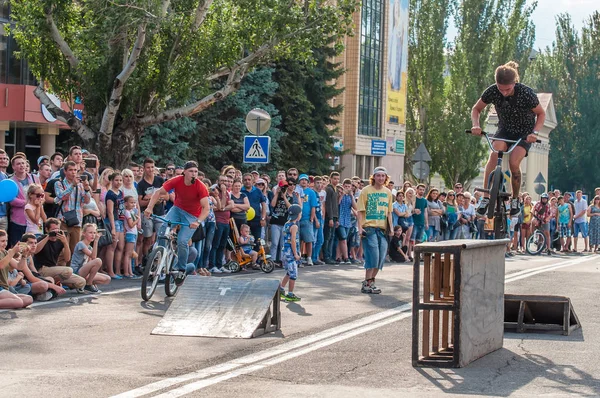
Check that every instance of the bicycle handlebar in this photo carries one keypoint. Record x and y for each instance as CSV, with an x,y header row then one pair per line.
x,y
490,139
153,216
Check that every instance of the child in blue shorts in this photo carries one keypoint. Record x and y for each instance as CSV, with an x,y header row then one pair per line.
x,y
247,243
290,254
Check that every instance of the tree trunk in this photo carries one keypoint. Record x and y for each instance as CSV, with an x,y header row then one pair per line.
x,y
118,149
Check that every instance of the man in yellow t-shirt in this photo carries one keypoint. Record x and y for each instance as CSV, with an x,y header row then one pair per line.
x,y
375,207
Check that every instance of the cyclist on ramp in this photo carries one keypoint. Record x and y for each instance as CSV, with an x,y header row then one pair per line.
x,y
520,115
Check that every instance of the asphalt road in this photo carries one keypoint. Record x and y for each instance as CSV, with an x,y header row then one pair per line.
x,y
335,342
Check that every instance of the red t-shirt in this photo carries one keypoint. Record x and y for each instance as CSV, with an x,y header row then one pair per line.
x,y
187,197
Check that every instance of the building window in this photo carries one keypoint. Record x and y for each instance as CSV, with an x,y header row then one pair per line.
x,y
13,70
371,68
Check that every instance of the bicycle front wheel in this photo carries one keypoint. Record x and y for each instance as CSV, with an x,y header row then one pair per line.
x,y
152,272
495,178
536,243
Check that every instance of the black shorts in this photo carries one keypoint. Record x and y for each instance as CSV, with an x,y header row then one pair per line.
x,y
523,144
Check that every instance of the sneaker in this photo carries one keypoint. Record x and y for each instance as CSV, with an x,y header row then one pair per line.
x,y
81,291
281,292
330,262
347,261
292,297
483,205
514,207
224,270
90,289
366,288
374,289
319,262
354,261
134,276
309,262
179,278
300,265
97,290
215,270
44,296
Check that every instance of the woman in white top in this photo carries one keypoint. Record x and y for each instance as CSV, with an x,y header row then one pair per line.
x,y
128,187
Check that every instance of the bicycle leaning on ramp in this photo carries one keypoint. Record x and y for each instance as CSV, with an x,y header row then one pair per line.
x,y
496,209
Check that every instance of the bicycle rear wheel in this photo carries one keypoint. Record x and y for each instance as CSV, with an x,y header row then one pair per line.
x,y
495,178
152,272
536,243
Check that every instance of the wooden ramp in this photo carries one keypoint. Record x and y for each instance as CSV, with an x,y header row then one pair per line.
x,y
223,307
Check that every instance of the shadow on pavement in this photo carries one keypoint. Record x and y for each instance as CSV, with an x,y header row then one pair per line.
x,y
296,308
504,372
576,336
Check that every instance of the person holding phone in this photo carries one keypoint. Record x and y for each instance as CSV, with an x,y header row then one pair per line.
x,y
52,253
72,193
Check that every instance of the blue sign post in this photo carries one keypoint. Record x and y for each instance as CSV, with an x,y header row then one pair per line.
x,y
256,149
378,148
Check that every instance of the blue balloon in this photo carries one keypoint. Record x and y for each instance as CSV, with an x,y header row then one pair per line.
x,y
8,190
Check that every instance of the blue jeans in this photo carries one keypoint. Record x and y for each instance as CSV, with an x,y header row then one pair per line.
x,y
209,233
319,239
276,242
183,237
375,247
218,244
432,234
328,234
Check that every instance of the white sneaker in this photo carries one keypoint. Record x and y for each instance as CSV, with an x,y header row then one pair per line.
x,y
309,262
215,270
43,296
224,270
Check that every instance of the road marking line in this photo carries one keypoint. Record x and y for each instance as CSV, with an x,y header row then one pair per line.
x,y
266,354
78,296
261,360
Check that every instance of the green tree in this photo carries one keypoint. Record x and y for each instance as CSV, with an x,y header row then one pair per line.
x,y
490,33
569,70
308,118
220,130
167,142
138,63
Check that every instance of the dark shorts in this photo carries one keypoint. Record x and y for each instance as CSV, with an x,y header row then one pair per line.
x,y
523,144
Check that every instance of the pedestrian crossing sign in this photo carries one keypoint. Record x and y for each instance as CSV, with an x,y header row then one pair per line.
x,y
256,149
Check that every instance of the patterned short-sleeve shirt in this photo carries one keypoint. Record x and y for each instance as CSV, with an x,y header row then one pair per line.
x,y
516,118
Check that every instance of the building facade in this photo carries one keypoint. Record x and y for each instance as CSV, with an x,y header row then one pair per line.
x,y
372,125
27,126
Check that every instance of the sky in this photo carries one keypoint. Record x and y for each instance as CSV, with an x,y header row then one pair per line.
x,y
544,14
544,18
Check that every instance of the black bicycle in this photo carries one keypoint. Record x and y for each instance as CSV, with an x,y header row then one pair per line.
x,y
497,190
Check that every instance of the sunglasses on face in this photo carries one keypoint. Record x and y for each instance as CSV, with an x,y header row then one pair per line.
x,y
170,168
38,195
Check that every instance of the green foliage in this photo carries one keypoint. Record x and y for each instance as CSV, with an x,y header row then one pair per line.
x,y
490,33
183,49
569,69
308,118
167,142
219,137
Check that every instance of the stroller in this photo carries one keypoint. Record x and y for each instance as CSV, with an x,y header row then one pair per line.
x,y
240,259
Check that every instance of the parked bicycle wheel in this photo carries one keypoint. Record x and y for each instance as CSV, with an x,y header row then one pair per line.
x,y
152,271
536,243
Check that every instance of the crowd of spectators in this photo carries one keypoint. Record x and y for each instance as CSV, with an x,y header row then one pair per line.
x,y
52,235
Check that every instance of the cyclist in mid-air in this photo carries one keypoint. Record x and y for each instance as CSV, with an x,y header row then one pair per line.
x,y
520,115
191,206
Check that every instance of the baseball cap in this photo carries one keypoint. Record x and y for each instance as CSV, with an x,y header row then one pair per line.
x,y
260,181
42,158
380,169
283,183
303,177
254,172
294,211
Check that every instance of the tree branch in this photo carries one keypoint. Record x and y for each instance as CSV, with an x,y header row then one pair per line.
x,y
110,112
250,59
66,117
148,14
201,12
60,42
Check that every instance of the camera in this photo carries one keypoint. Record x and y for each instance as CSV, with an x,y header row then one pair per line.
x,y
101,231
54,234
83,177
90,162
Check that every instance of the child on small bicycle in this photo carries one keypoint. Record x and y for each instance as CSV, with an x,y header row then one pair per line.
x,y
247,244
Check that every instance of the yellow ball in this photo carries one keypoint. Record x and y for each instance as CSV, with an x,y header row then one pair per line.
x,y
250,214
